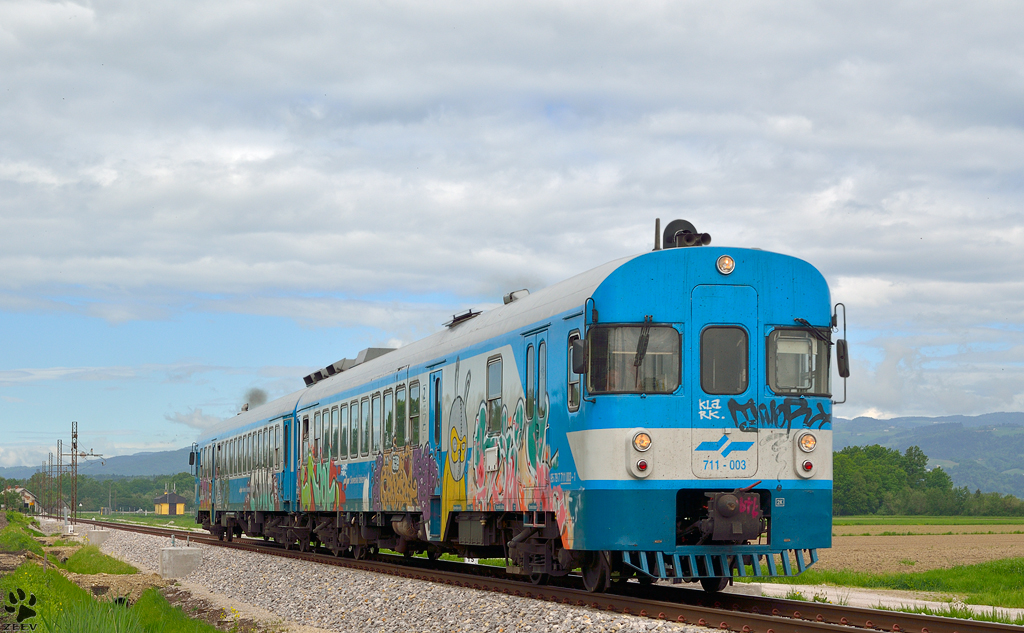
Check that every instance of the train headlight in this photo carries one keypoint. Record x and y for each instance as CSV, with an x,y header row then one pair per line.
x,y
641,441
807,442
726,264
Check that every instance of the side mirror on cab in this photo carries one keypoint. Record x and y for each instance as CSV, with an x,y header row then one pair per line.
x,y
579,357
191,459
843,358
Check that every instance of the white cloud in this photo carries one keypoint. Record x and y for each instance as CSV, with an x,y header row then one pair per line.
x,y
195,419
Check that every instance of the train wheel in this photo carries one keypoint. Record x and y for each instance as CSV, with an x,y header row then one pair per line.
x,y
539,579
714,585
597,572
432,554
359,552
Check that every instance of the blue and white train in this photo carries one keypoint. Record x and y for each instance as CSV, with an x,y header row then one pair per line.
x,y
666,415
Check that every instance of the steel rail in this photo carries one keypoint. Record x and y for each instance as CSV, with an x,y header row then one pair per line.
x,y
734,612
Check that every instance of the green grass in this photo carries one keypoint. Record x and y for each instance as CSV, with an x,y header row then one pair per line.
x,y
185,521
926,520
63,606
996,583
54,593
89,560
16,536
156,614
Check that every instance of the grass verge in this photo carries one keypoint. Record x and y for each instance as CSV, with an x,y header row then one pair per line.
x,y
17,535
57,604
90,560
997,583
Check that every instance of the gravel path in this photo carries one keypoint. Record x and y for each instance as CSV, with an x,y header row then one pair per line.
x,y
336,599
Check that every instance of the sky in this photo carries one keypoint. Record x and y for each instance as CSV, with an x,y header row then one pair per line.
x,y
198,199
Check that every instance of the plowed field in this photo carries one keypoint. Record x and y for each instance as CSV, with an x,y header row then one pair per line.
x,y
919,547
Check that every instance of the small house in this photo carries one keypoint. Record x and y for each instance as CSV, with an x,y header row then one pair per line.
x,y
170,503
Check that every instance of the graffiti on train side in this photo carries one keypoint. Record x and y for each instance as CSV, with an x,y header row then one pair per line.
x,y
319,484
205,494
749,416
402,477
518,477
263,491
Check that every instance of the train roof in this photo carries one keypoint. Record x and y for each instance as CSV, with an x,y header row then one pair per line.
x,y
532,308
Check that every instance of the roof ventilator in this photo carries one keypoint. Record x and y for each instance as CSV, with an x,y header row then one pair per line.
x,y
344,364
459,318
515,295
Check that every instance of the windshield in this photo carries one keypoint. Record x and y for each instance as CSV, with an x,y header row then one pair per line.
x,y
797,362
633,359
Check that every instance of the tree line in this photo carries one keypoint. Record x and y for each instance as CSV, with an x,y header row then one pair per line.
x,y
125,494
879,480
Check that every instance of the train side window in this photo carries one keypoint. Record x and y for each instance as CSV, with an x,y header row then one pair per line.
x,y
494,395
250,452
437,409
401,419
266,448
414,412
343,430
531,391
573,379
305,438
332,437
260,461
376,430
353,438
724,360
542,380
317,445
389,420
273,464
364,412
282,445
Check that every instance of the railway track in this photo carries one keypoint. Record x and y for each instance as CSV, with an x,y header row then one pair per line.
x,y
732,612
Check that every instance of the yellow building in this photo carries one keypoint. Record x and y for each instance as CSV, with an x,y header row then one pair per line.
x,y
170,503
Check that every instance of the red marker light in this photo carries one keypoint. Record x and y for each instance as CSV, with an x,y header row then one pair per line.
x,y
642,465
808,466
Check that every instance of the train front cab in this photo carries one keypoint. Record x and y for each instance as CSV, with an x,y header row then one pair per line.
x,y
705,449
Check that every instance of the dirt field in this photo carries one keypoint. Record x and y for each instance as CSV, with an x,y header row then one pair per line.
x,y
927,547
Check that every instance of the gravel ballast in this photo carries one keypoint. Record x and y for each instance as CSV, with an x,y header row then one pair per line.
x,y
336,598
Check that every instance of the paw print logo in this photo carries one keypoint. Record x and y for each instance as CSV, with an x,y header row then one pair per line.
x,y
21,604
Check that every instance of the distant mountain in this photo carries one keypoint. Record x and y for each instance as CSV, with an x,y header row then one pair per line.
x,y
137,465
983,452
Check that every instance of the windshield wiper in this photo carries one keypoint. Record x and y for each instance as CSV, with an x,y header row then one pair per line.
x,y
641,345
815,331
